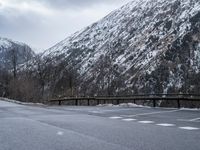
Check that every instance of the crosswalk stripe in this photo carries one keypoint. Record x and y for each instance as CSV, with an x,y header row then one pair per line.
x,y
189,128
146,122
115,117
165,125
151,122
129,119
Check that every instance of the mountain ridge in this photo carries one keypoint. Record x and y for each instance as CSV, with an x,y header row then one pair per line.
x,y
135,42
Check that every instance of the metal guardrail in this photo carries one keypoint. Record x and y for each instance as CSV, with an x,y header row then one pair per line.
x,y
142,97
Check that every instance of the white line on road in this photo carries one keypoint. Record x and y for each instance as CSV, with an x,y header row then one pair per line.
x,y
144,114
146,122
129,119
190,120
115,117
189,128
166,125
195,119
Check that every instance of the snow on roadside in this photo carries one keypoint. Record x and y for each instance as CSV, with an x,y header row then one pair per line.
x,y
122,105
106,105
21,103
190,109
142,106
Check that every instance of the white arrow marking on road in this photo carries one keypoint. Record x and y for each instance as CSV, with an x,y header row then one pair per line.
x,y
189,128
60,133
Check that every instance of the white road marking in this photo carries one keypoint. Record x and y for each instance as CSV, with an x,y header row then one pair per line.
x,y
60,133
115,117
146,122
129,119
189,128
195,119
166,125
144,114
190,120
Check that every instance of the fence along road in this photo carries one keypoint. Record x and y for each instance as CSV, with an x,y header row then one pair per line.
x,y
145,97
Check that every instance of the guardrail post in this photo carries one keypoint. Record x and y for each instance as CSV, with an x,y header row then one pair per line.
x,y
76,102
117,102
177,98
154,103
98,102
178,103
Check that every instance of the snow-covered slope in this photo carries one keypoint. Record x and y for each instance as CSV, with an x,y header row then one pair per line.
x,y
8,48
145,46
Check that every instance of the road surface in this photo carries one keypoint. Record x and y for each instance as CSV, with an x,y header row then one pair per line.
x,y
25,127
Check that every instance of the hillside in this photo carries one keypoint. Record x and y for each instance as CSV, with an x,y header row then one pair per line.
x,y
10,49
146,46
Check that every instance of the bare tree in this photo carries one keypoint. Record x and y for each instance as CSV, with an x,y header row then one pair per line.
x,y
12,55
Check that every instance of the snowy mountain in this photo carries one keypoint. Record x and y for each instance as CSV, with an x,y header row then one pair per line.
x,y
146,46
11,49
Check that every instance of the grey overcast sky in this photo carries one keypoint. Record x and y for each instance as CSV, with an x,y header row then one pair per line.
x,y
43,23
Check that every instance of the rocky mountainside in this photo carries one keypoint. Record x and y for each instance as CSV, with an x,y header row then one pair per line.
x,y
146,46
13,51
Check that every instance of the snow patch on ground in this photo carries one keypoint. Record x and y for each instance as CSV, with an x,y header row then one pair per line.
x,y
190,109
21,103
122,105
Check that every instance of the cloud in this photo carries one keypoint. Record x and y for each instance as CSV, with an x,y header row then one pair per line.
x,y
39,5
77,4
17,7
43,23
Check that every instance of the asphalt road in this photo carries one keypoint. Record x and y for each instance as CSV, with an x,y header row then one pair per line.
x,y
97,128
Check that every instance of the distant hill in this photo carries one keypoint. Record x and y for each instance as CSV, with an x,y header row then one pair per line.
x,y
8,48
